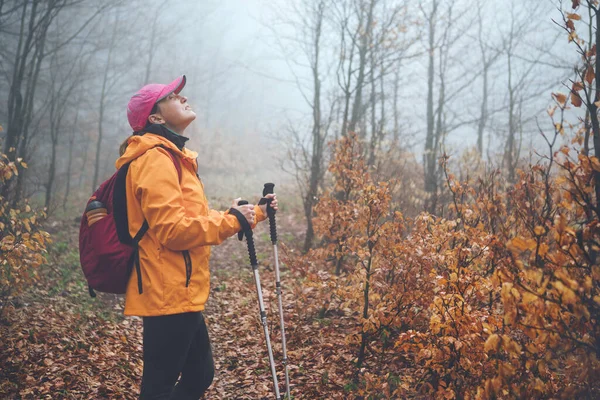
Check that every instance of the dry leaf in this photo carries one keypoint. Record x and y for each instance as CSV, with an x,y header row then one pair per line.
x,y
589,75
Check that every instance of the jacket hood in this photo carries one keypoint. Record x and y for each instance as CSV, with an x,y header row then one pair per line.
x,y
138,145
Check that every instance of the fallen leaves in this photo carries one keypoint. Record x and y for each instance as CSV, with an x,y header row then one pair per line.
x,y
48,351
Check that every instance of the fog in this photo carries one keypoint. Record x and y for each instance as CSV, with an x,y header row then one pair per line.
x,y
249,67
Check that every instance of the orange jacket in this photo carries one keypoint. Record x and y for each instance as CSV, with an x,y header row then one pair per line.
x,y
179,219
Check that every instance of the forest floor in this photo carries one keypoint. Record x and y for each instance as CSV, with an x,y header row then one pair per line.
x,y
58,343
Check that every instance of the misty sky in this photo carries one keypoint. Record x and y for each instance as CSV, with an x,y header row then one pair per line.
x,y
255,91
247,74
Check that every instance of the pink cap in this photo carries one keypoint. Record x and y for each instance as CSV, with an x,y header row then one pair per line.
x,y
141,104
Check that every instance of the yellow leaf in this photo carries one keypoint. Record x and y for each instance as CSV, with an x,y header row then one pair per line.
x,y
595,163
532,349
434,324
539,230
568,296
542,367
581,311
534,275
515,293
521,244
511,347
575,17
506,369
492,343
510,316
540,386
529,297
543,250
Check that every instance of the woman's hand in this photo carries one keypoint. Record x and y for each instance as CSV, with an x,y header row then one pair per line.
x,y
247,210
273,205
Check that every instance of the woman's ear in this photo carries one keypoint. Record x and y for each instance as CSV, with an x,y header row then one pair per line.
x,y
156,119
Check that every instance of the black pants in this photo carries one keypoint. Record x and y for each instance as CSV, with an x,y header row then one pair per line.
x,y
176,344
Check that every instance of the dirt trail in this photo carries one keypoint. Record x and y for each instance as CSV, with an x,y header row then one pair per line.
x,y
58,343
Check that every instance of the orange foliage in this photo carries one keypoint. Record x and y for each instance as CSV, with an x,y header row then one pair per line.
x,y
22,243
501,298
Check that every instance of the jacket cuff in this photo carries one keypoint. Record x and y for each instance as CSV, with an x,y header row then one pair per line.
x,y
260,216
236,224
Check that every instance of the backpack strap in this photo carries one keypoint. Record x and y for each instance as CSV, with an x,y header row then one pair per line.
x,y
175,160
136,254
121,218
120,199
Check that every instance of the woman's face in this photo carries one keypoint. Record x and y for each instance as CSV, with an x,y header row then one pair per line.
x,y
175,112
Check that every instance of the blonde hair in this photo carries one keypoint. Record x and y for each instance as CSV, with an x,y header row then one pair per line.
x,y
123,145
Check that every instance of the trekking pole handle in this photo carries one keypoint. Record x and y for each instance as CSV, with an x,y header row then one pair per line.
x,y
247,231
241,233
268,189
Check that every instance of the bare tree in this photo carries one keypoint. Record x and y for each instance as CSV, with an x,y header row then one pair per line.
x,y
103,97
307,152
63,82
519,80
345,66
430,155
365,26
35,18
489,55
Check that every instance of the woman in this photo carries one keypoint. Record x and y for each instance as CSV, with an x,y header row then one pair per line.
x,y
173,285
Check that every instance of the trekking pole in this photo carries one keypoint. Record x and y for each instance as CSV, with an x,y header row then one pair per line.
x,y
247,231
268,189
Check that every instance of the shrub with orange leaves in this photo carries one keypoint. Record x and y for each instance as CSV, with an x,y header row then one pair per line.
x,y
500,298
22,242
550,289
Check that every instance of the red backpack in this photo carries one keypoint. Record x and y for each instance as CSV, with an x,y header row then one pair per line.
x,y
107,251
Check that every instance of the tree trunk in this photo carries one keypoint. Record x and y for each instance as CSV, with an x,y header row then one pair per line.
x,y
483,115
395,106
51,176
594,116
70,160
486,62
15,98
510,142
27,109
429,158
102,100
364,335
348,82
373,105
357,107
317,137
